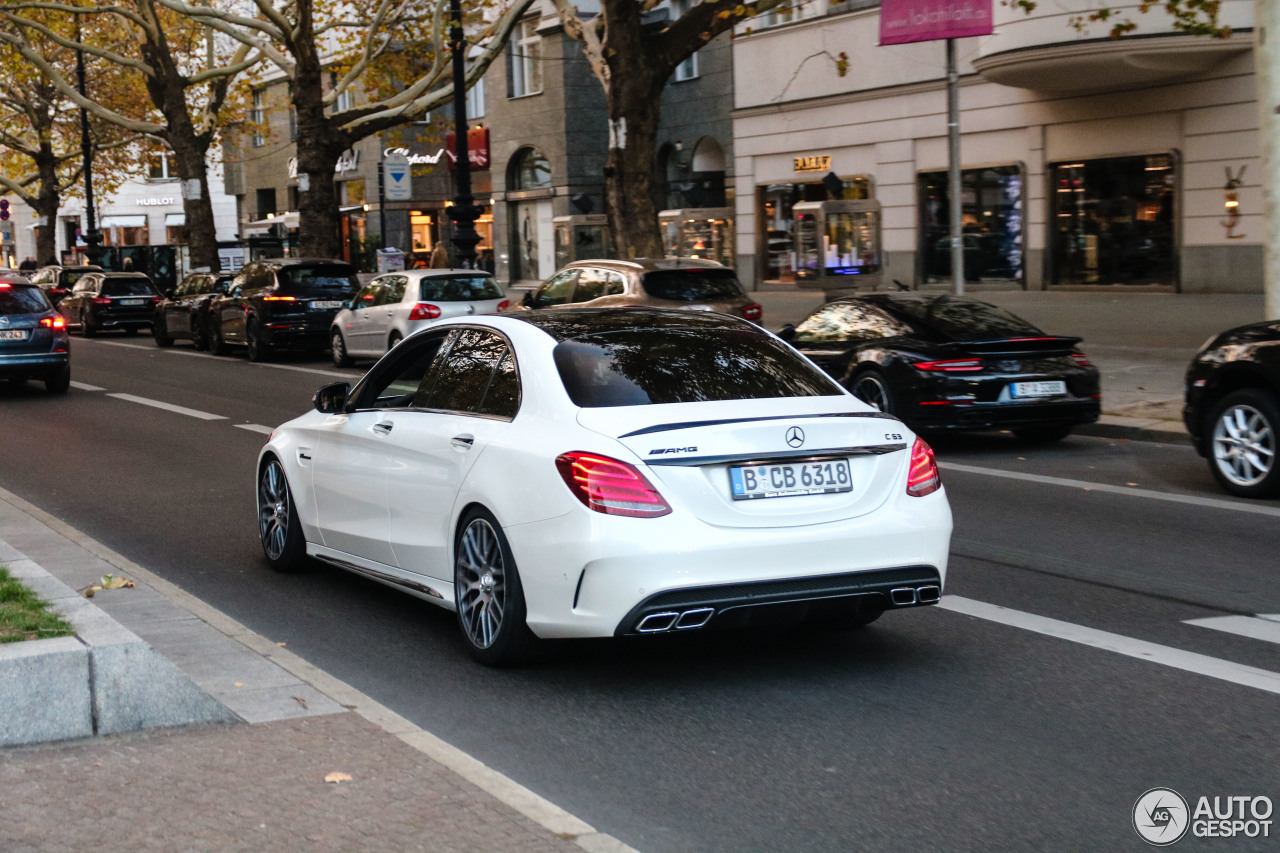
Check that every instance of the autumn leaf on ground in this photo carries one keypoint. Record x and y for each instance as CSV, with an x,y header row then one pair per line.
x,y
337,777
299,700
113,582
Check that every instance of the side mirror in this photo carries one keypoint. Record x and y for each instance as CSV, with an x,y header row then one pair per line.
x,y
331,399
527,301
787,333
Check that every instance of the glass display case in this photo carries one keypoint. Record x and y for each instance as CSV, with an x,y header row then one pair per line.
x,y
698,232
582,237
837,245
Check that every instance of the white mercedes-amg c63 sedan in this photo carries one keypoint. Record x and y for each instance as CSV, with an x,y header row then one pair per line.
x,y
608,472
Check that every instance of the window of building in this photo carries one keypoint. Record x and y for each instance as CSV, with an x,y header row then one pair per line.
x,y
524,60
124,230
354,191
158,165
258,116
991,221
266,202
345,100
687,70
530,171
292,195
420,230
475,100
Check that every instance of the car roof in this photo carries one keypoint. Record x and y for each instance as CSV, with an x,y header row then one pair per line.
x,y
296,262
428,273
124,274
87,267
644,265
14,277
565,324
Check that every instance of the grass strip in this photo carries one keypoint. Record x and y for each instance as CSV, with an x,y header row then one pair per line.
x,y
23,616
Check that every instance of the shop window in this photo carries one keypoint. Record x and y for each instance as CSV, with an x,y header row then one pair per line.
x,y
354,191
524,60
991,222
420,230
1112,221
774,204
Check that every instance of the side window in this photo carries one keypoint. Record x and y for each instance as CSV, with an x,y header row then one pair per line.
x,y
616,284
406,380
557,289
84,285
590,285
846,321
503,397
256,278
466,370
396,285
368,296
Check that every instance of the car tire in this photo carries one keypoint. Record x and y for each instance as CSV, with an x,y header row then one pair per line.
x,y
1242,442
160,334
279,530
131,330
258,351
86,328
199,334
393,339
60,382
217,345
339,347
870,386
487,591
1043,433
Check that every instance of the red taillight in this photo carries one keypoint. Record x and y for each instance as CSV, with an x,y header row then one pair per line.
x,y
609,486
279,299
4,285
156,300
424,311
951,365
923,478
53,323
101,300
1080,360
503,305
754,311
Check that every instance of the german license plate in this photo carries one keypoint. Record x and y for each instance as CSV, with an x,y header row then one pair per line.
x,y
322,304
1038,389
132,301
784,480
13,334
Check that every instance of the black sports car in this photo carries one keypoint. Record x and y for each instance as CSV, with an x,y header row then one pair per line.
x,y
947,362
1233,408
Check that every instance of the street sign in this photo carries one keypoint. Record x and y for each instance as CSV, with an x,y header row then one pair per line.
x,y
904,21
397,181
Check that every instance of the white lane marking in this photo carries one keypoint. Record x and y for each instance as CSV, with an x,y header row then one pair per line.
x,y
1128,491
265,430
189,352
153,347
1274,617
1224,670
169,407
310,370
85,386
1244,626
171,351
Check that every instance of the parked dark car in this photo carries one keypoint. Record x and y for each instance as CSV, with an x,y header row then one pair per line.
x,y
1233,408
33,336
185,314
57,281
946,362
281,303
101,301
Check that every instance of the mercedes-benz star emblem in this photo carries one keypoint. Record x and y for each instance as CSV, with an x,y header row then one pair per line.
x,y
795,436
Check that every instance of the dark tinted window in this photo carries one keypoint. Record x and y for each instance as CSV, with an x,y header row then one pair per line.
x,y
962,318
466,370
406,380
556,290
458,288
847,321
127,287
590,285
68,278
322,281
503,396
23,299
370,295
396,285
633,367
692,285
223,283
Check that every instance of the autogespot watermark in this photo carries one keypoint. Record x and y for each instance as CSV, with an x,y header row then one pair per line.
x,y
1162,817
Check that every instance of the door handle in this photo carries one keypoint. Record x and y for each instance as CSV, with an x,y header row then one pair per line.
x,y
462,442
382,427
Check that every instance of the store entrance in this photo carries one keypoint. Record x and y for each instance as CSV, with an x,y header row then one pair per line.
x,y
1113,221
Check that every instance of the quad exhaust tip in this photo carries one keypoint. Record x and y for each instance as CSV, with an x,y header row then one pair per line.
x,y
656,623
903,596
695,618
928,594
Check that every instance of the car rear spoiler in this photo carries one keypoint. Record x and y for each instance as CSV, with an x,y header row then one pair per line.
x,y
1031,345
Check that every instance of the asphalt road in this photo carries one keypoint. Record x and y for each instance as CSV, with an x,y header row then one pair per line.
x,y
933,729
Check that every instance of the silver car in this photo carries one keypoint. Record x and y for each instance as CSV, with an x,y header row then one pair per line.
x,y
395,305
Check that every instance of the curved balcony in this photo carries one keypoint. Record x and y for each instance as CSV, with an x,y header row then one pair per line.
x,y
1042,51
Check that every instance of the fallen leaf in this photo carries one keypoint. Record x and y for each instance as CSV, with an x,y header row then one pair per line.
x,y
88,593
238,684
336,777
282,644
113,582
1131,484
299,700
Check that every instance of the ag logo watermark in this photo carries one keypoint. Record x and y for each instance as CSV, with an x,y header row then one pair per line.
x,y
1162,817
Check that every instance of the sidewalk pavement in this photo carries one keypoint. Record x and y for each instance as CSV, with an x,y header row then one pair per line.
x,y
1141,343
261,784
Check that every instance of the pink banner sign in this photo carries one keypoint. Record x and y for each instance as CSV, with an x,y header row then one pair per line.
x,y
903,21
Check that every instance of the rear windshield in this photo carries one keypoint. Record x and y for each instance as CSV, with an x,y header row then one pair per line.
x,y
634,367
692,285
462,288
963,319
23,299
333,280
68,278
127,287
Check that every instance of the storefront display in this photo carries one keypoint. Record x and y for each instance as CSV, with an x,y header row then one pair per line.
x,y
837,245
698,232
991,219
774,203
582,237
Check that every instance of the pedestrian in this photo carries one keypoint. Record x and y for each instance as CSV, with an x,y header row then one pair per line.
x,y
28,264
439,256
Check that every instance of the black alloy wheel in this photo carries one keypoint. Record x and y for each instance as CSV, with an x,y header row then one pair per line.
x,y
340,356
258,351
487,591
279,529
60,381
1043,433
160,333
199,333
870,386
1243,442
217,345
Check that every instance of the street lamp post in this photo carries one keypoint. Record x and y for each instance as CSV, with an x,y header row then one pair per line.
x,y
92,237
463,212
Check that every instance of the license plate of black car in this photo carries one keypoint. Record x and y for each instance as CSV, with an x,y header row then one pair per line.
x,y
131,301
789,479
13,334
323,304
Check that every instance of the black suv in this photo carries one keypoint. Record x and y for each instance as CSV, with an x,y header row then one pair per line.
x,y
57,281
185,314
281,303
33,335
110,300
1233,408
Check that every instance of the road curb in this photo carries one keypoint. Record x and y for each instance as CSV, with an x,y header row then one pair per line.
x,y
1155,435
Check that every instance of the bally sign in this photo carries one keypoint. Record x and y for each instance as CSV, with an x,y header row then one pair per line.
x,y
903,21
477,149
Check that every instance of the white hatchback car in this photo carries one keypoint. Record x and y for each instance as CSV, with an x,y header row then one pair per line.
x,y
596,473
395,305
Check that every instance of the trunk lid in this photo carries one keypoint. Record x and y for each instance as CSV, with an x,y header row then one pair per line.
x,y
689,450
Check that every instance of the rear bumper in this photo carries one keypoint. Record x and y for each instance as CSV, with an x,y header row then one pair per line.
x,y
122,319
1005,415
33,365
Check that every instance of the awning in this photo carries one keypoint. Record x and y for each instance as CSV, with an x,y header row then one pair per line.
x,y
122,221
175,219
264,226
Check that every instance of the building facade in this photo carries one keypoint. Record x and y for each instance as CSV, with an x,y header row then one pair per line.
x,y
1087,161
